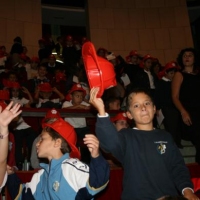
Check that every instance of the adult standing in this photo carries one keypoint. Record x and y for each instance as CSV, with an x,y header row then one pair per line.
x,y
186,97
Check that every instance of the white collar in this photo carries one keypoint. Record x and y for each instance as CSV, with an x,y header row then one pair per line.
x,y
165,79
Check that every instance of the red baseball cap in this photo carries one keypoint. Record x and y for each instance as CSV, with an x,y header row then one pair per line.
x,y
100,72
68,133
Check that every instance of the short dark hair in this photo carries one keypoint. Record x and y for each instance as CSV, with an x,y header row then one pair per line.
x,y
136,91
111,100
65,148
180,57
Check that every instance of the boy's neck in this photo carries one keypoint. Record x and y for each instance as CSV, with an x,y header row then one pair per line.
x,y
146,127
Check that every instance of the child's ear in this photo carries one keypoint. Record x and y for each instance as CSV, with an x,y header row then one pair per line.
x,y
129,115
58,143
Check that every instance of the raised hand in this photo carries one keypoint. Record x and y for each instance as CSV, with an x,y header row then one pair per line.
x,y
8,114
97,102
92,143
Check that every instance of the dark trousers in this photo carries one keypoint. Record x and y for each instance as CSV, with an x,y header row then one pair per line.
x,y
172,123
192,132
23,137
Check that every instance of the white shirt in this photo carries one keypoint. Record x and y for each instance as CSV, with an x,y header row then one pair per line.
x,y
4,182
151,80
75,122
22,101
45,100
21,124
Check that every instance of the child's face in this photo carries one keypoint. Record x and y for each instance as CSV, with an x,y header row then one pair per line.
x,y
147,64
42,71
77,97
12,78
34,65
134,60
45,146
141,109
170,75
15,92
45,95
120,124
114,105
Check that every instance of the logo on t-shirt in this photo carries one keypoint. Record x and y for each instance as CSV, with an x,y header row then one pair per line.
x,y
161,147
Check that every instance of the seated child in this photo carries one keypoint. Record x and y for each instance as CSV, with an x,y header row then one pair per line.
x,y
32,71
43,96
16,95
153,165
77,94
120,121
65,177
112,103
33,83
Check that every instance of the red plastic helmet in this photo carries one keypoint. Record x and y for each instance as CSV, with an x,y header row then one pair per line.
x,y
68,133
77,87
69,37
169,65
119,116
100,72
45,87
35,59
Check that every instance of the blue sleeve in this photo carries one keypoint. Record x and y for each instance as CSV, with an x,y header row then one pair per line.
x,y
14,186
110,139
17,190
99,172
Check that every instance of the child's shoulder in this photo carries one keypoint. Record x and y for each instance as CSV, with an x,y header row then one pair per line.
x,y
75,163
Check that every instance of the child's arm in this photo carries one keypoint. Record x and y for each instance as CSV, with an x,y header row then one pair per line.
x,y
61,96
6,117
68,105
19,191
99,167
25,90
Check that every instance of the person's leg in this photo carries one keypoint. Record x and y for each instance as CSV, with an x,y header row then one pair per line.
x,y
195,132
19,139
172,124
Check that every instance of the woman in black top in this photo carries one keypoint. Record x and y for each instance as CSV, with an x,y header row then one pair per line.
x,y
186,96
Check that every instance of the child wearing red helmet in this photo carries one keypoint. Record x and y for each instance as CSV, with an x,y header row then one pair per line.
x,y
43,96
77,95
65,177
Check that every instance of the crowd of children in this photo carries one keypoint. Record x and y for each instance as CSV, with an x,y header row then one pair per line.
x,y
43,82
